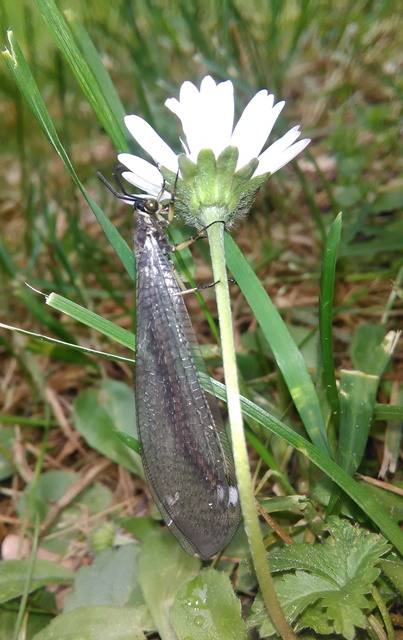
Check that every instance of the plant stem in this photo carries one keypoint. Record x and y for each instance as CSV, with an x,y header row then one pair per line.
x,y
216,239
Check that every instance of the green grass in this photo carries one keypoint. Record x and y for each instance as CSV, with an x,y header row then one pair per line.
x,y
318,363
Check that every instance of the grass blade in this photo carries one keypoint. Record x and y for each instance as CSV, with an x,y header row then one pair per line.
x,y
98,70
287,355
357,400
25,81
83,74
91,319
68,345
326,316
357,492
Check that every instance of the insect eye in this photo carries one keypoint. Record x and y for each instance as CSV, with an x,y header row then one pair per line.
x,y
151,205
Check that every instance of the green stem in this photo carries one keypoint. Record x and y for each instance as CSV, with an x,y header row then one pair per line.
x,y
216,239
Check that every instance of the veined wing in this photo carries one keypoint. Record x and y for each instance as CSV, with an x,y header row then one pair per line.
x,y
186,454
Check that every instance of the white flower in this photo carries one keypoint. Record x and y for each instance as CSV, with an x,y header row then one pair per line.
x,y
207,118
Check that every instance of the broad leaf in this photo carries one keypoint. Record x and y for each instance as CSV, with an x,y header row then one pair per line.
x,y
94,623
206,607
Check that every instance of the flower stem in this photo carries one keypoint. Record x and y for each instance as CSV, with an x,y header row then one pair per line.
x,y
216,239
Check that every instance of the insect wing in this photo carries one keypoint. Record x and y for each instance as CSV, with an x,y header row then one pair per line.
x,y
185,450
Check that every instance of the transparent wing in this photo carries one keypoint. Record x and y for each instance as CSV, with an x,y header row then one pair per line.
x,y
186,454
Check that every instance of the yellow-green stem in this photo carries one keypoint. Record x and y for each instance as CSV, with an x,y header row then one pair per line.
x,y
250,515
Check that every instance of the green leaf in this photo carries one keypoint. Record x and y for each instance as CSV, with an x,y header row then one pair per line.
x,y
345,556
326,587
35,621
389,411
99,413
111,580
334,619
390,201
347,196
94,623
49,489
386,240
206,607
129,441
164,567
394,571
287,355
13,576
346,619
393,436
389,501
140,526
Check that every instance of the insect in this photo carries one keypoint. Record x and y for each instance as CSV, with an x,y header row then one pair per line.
x,y
185,451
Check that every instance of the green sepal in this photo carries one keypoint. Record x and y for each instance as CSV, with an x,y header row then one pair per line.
x,y
246,172
226,163
187,167
169,177
212,189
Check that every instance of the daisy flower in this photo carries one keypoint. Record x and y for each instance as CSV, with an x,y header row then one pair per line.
x,y
221,166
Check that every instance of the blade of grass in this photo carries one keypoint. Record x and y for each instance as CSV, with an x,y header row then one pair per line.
x,y
287,355
6,263
68,345
393,437
326,317
30,573
98,70
357,400
31,510
363,498
23,77
37,309
83,74
129,441
91,319
388,412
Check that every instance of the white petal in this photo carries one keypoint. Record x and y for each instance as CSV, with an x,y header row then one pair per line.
x,y
196,119
270,162
151,142
208,86
285,141
147,188
221,117
207,115
147,171
188,96
143,175
173,105
255,126
185,108
213,126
